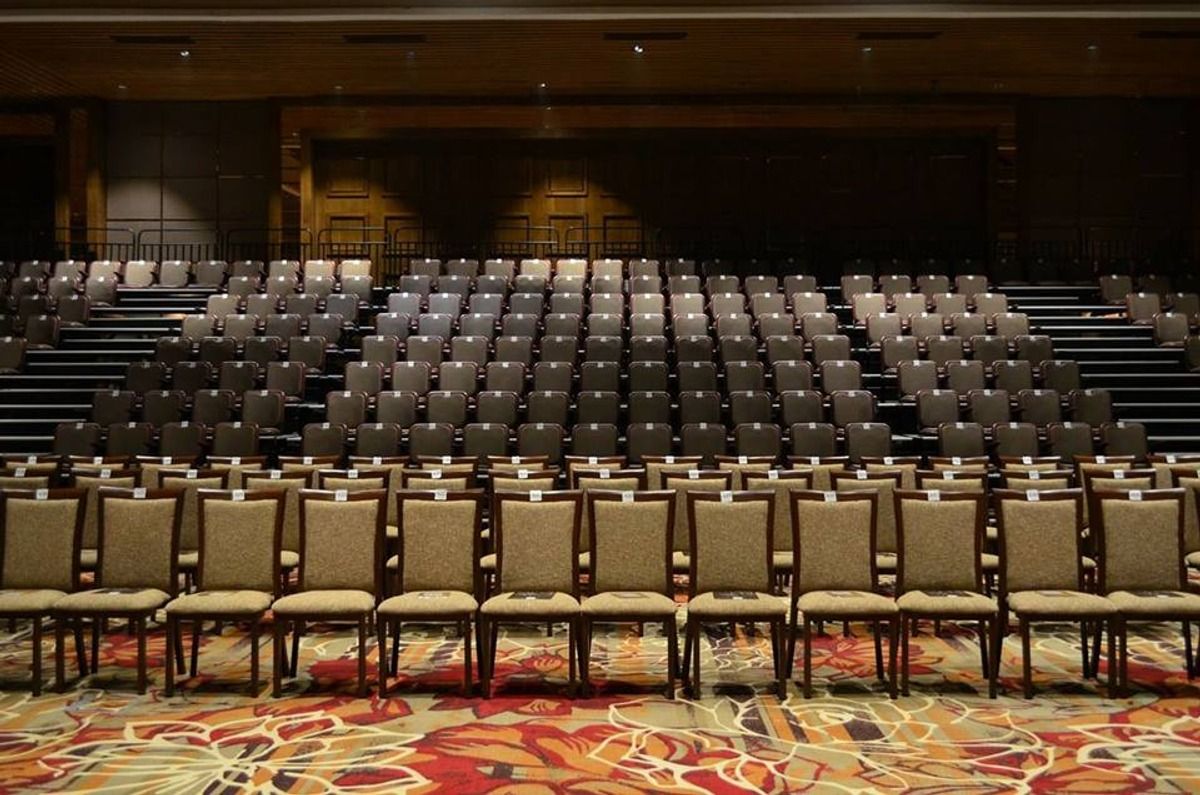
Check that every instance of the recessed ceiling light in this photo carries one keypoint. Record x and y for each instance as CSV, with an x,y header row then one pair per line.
x,y
1093,47
638,48
867,50
121,86
185,53
541,85
338,87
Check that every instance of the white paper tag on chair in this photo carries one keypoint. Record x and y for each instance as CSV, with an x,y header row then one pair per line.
x,y
105,474
139,493
97,459
535,495
20,472
861,474
960,425
42,494
235,461
772,474
340,495
237,424
435,474
668,459
742,459
1035,475
516,459
239,495
276,474
352,474
727,496
445,459
605,474
31,459
693,474
376,460
192,474
831,496
1027,460
522,474
1101,459
956,460
948,475
167,460
307,460
935,496
592,460
627,496
888,460
1171,458
814,460
440,495
541,426
78,425
1119,474
324,426
1135,495
1033,495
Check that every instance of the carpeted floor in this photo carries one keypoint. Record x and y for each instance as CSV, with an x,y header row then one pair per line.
x,y
945,737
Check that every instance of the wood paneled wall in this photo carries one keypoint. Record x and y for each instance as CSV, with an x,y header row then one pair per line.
x,y
771,190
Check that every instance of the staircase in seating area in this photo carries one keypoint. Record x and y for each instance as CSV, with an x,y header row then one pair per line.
x,y
57,385
1149,384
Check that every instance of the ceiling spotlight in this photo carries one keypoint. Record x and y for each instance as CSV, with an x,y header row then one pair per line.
x,y
867,50
1093,47
185,53
638,48
542,85
338,87
122,87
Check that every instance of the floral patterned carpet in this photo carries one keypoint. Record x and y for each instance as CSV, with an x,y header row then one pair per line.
x,y
946,737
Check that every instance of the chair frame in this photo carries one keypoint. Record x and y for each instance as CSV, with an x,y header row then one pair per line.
x,y
587,622
37,616
174,639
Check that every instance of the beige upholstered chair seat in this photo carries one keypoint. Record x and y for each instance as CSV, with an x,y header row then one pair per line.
x,y
991,533
429,603
681,562
220,602
487,562
629,603
885,562
112,600
325,603
943,603
763,605
782,560
1156,603
288,559
851,604
506,606
1059,603
392,531
188,561
28,600
989,561
88,559
1193,560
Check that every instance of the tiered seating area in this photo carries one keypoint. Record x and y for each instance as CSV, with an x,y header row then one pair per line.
x,y
533,358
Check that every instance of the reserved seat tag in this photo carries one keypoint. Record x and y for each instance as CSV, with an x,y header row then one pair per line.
x,y
535,495
440,495
239,495
627,496
340,495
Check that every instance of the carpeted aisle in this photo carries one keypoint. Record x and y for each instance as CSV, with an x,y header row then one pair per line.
x,y
946,737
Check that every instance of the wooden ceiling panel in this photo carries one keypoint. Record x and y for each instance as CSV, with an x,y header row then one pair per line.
x,y
508,59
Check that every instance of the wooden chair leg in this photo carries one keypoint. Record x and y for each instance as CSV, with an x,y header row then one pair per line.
x,y
895,638
1097,639
1084,652
362,657
465,630
37,656
297,631
169,658
585,643
696,660
277,648
984,660
1112,658
60,663
96,625
381,642
140,630
80,646
1187,650
790,654
1026,659
878,649
684,673
993,673
672,656
572,654
197,630
807,658
904,654
777,641
396,626
255,632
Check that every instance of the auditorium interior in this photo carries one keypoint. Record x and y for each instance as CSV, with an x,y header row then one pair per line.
x,y
599,395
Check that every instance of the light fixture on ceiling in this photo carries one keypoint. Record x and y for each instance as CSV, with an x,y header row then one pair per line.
x,y
1093,47
638,49
338,87
122,87
542,86
185,53
868,50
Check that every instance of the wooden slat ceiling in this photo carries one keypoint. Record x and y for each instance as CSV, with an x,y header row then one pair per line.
x,y
508,57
